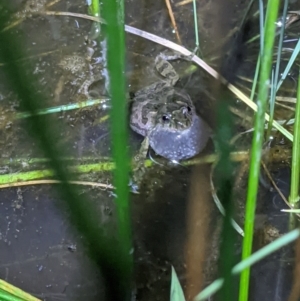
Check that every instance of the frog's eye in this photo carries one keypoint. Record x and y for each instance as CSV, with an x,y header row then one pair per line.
x,y
186,110
165,118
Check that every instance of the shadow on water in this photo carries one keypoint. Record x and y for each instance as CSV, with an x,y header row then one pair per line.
x,y
40,251
272,277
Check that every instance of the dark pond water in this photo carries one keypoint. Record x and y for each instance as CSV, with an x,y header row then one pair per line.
x,y
40,251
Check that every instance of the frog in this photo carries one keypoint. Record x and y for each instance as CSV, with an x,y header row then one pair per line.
x,y
166,117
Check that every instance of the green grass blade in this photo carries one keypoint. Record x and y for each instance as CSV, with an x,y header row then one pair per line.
x,y
271,104
294,195
113,13
296,211
267,250
261,26
11,293
256,149
289,65
254,258
176,293
5,296
102,249
196,24
64,108
253,89
224,171
261,29
209,290
94,10
277,68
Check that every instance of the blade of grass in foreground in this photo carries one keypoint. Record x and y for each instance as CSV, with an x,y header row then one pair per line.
x,y
256,149
294,195
113,13
11,293
102,249
176,292
277,68
224,171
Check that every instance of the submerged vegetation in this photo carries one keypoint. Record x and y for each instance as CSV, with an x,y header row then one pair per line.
x,y
246,132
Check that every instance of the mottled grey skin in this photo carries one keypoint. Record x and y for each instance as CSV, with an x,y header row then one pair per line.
x,y
175,144
167,118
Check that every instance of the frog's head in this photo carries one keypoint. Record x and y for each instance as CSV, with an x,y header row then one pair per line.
x,y
177,113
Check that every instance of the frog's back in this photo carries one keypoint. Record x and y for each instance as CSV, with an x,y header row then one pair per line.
x,y
147,102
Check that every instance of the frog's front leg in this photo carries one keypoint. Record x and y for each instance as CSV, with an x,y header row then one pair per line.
x,y
144,148
84,89
139,162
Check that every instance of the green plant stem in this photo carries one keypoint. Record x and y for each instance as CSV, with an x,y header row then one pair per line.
x,y
50,173
12,293
289,65
256,149
64,108
261,26
95,8
113,13
196,24
277,68
5,296
253,89
271,104
294,195
224,171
